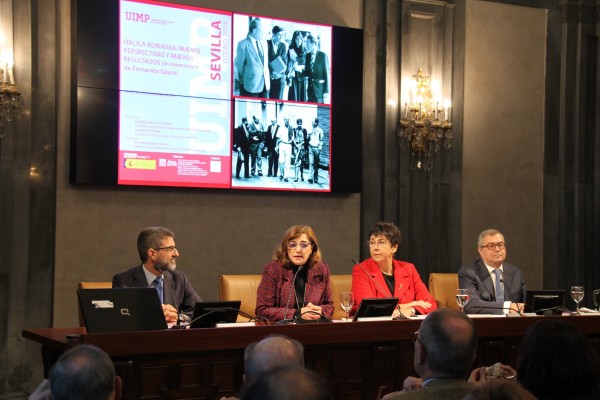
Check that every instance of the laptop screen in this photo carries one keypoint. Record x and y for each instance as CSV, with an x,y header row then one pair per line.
x,y
537,300
376,308
121,310
207,314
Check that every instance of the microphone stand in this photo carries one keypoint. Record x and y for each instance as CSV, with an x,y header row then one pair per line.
x,y
293,290
177,307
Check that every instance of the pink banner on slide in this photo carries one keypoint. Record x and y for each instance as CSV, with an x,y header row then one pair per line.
x,y
168,169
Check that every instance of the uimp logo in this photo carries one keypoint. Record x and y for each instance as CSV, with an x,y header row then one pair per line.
x,y
129,155
136,17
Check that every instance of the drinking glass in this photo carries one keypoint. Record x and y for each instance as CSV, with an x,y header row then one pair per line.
x,y
346,301
462,297
577,293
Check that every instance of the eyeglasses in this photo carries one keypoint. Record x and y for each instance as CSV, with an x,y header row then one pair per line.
x,y
303,245
492,246
169,248
380,243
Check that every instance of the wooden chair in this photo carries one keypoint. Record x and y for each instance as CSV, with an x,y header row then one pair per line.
x,y
91,285
443,289
240,287
339,283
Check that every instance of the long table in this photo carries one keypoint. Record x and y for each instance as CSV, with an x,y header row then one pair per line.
x,y
360,360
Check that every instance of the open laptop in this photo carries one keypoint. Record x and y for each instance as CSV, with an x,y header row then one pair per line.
x,y
208,314
121,310
376,307
538,300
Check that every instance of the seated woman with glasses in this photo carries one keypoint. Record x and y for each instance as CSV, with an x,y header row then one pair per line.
x,y
383,277
295,284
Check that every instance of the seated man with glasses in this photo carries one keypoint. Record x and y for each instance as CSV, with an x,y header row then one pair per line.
x,y
295,284
495,286
156,247
381,276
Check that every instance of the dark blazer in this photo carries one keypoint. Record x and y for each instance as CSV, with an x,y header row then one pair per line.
x,y
318,77
478,280
277,50
241,139
271,138
181,294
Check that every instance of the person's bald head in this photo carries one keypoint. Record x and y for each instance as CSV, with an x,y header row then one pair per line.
x,y
272,351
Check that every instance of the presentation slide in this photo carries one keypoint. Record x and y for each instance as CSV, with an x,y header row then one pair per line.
x,y
175,90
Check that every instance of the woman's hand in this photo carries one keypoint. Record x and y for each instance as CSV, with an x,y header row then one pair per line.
x,y
311,312
418,303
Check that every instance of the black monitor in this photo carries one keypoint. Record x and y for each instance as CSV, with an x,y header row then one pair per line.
x,y
537,300
208,314
369,308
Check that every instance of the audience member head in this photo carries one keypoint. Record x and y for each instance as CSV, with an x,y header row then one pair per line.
x,y
273,351
287,383
556,357
446,345
295,234
84,372
151,238
499,389
387,230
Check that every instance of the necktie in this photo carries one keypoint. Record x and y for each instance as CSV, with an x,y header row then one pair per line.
x,y
158,284
260,53
499,290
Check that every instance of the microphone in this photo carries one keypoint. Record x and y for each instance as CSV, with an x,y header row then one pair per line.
x,y
178,323
402,316
509,314
290,295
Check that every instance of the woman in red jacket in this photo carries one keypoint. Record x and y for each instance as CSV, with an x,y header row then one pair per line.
x,y
381,276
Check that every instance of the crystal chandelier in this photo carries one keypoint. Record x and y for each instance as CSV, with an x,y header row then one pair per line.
x,y
425,125
11,101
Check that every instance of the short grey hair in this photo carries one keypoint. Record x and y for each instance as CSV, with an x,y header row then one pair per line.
x,y
487,232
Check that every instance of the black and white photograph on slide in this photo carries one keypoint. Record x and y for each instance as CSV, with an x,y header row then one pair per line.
x,y
280,145
281,59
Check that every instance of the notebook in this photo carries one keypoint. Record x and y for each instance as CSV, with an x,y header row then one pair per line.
x,y
208,314
121,310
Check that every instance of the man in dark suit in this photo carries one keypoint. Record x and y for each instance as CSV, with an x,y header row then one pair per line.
x,y
445,346
257,139
241,145
495,286
156,247
317,71
277,67
272,147
252,64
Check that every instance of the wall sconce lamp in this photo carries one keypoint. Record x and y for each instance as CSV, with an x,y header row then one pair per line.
x,y
425,125
11,101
